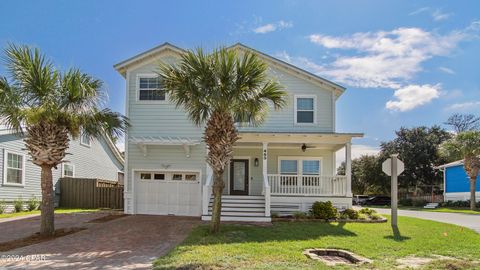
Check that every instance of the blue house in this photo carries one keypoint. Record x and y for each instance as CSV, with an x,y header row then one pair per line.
x,y
457,183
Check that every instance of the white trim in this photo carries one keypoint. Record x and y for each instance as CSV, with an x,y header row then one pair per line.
x,y
299,166
63,168
5,159
249,173
314,97
137,90
127,191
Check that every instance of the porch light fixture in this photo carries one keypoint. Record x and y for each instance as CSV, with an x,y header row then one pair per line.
x,y
255,162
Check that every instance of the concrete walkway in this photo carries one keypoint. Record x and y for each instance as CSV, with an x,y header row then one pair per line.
x,y
465,220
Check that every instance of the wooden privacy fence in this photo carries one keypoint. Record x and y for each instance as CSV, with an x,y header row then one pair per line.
x,y
90,193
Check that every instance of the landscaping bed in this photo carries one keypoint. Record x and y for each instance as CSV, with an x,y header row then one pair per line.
x,y
281,245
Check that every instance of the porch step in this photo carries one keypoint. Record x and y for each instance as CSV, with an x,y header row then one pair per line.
x,y
431,205
240,218
240,208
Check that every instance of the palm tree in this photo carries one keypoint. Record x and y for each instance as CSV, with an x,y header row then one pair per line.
x,y
218,89
466,146
49,107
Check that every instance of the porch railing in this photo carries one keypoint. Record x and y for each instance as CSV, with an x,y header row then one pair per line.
x,y
307,185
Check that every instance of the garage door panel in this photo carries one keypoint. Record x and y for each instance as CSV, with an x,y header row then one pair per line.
x,y
162,197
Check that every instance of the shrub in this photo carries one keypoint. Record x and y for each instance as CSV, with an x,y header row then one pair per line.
x,y
375,216
3,206
367,211
18,204
362,216
33,203
405,202
350,213
274,215
418,203
299,215
324,210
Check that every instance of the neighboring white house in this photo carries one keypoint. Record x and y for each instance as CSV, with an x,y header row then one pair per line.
x,y
284,165
87,158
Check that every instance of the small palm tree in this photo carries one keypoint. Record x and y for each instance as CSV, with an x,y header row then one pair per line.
x,y
216,89
51,107
466,146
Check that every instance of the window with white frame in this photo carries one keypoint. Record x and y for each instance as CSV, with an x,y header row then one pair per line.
x,y
68,170
305,109
300,166
149,88
85,139
170,176
14,168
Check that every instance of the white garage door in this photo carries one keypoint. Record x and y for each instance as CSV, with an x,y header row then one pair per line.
x,y
168,193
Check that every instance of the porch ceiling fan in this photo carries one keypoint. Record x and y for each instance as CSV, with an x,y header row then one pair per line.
x,y
305,147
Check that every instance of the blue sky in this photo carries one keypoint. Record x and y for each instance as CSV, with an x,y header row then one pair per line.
x,y
403,63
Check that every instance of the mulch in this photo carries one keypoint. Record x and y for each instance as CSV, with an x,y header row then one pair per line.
x,y
37,238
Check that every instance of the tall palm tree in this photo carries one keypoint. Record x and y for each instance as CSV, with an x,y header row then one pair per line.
x,y
218,89
48,107
466,146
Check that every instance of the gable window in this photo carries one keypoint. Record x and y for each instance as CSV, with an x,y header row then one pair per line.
x,y
68,170
85,139
305,109
14,169
149,88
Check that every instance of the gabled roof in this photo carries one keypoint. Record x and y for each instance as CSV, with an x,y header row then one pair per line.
x,y
338,89
451,164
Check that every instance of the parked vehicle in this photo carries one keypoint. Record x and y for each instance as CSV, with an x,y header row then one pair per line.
x,y
359,199
377,200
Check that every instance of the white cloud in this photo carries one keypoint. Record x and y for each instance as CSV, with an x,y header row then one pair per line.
x,y
384,58
412,96
271,27
357,151
447,70
464,106
436,14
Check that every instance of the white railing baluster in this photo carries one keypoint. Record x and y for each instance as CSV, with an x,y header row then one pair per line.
x,y
304,185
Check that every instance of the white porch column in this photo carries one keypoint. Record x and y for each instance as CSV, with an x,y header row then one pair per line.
x,y
266,186
207,189
348,168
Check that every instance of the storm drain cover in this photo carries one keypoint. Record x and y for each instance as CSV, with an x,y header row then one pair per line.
x,y
333,257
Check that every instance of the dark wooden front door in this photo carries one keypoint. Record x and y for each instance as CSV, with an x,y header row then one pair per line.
x,y
239,177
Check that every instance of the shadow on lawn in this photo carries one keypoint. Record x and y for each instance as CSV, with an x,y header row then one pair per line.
x,y
397,236
278,232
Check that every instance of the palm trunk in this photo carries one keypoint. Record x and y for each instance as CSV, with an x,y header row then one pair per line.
x,y
473,187
218,186
47,207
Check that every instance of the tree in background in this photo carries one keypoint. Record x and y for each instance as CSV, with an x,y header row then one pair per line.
x,y
367,175
51,106
466,146
418,149
463,122
216,89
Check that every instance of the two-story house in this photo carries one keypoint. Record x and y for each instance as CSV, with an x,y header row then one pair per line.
x,y
282,166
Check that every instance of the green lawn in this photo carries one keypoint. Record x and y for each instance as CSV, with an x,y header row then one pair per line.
x,y
57,211
440,209
281,246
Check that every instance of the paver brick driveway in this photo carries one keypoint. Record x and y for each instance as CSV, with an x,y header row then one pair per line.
x,y
131,242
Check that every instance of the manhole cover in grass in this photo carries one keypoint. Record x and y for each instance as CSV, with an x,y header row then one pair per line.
x,y
333,257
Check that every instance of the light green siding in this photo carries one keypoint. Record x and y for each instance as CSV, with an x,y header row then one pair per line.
x,y
96,161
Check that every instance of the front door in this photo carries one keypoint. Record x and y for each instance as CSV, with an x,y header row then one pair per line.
x,y
239,177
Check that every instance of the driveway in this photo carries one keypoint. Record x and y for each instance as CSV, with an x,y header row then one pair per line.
x,y
130,242
465,220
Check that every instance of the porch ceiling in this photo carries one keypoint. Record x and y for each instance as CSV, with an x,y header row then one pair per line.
x,y
293,140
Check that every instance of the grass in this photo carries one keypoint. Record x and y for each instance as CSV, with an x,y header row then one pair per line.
x,y
439,209
57,211
281,245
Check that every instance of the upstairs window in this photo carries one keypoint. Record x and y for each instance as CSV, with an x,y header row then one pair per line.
x,y
85,139
150,89
305,109
14,169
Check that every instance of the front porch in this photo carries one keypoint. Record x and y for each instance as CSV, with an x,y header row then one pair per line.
x,y
285,173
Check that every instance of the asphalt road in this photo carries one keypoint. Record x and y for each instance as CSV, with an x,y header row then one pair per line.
x,y
465,220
